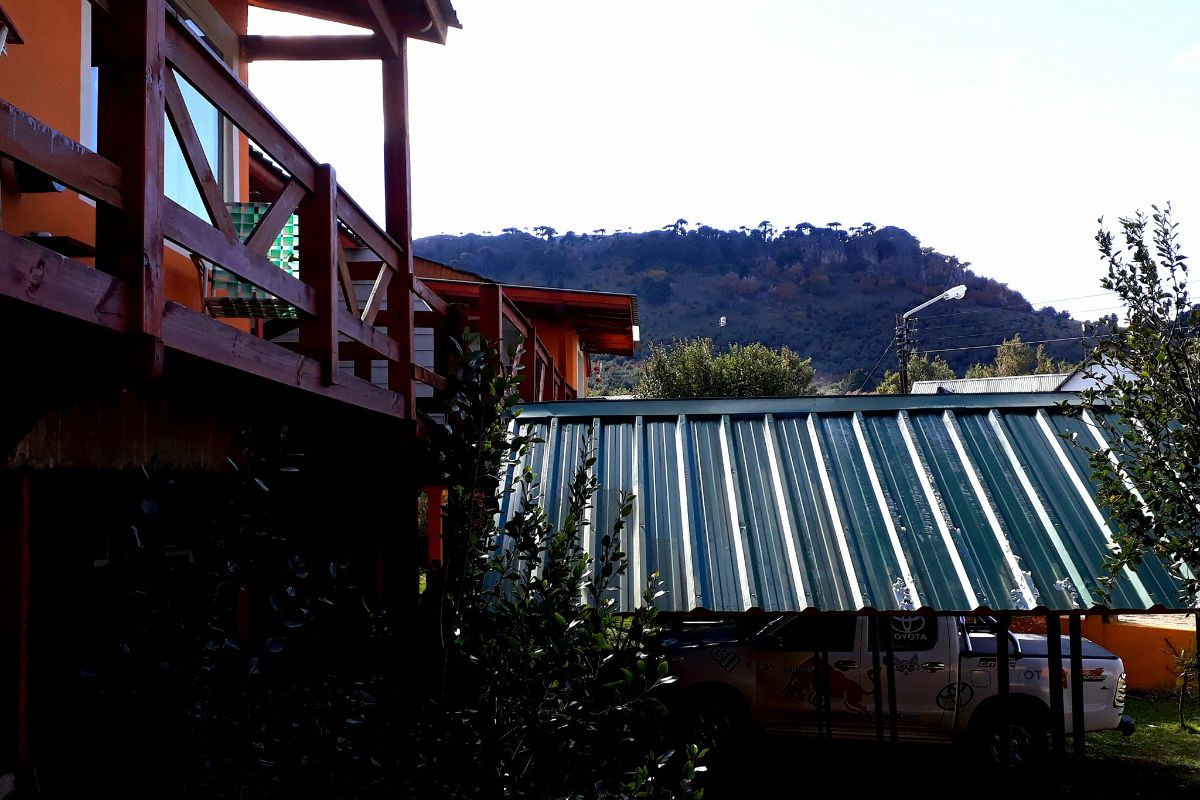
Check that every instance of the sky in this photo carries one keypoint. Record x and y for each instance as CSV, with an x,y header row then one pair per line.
x,y
994,131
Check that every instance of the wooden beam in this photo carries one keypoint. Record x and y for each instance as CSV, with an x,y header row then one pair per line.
x,y
373,338
529,382
346,282
424,21
199,335
437,22
33,274
378,292
131,113
312,48
192,233
491,314
267,230
213,79
397,170
14,37
194,155
385,27
430,297
25,139
385,246
318,269
398,209
429,378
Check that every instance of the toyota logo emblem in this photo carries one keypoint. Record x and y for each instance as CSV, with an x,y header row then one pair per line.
x,y
908,625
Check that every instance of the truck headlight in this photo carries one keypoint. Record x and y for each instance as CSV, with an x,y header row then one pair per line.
x,y
1119,694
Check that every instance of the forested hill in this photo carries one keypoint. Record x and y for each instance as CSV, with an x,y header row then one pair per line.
x,y
826,292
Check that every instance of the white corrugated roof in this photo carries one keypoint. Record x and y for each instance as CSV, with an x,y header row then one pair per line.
x,y
1017,383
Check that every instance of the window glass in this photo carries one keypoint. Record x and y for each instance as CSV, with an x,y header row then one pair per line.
x,y
910,634
819,633
177,178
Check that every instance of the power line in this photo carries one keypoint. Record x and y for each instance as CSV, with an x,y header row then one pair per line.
x,y
1045,318
994,346
1049,319
942,339
879,361
1182,330
1034,303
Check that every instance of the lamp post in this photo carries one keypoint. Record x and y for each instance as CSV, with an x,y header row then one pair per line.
x,y
906,336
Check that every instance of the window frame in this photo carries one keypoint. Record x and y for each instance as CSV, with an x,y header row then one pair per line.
x,y
225,45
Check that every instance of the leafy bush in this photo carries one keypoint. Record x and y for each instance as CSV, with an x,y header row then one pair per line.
x,y
542,688
1147,402
691,368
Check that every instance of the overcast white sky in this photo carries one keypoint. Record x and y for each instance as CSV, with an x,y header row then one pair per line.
x,y
997,132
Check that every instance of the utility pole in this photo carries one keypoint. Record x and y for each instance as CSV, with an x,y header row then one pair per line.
x,y
903,341
905,336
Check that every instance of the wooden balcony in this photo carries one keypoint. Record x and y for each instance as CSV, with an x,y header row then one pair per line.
x,y
139,58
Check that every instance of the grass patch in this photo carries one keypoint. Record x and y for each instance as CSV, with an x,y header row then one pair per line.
x,y
1160,760
1158,736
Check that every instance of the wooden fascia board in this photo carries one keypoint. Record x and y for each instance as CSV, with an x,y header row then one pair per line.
x,y
312,48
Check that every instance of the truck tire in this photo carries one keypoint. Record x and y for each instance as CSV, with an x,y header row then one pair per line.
x,y
1028,734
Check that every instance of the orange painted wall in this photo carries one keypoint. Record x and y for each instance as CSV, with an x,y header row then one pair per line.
x,y
1148,663
562,342
43,77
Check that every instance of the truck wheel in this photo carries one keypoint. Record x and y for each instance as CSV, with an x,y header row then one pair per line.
x,y
1028,738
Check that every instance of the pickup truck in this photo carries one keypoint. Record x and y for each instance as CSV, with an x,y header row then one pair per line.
x,y
945,679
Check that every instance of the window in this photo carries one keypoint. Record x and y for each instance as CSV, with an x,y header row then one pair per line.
x,y
216,135
910,634
819,634
177,178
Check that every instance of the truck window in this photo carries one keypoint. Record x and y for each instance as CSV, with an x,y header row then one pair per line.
x,y
910,634
829,634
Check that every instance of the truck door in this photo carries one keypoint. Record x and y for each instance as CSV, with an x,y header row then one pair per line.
x,y
793,678
926,676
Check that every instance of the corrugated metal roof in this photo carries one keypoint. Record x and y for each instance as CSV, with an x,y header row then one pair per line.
x,y
1015,383
946,502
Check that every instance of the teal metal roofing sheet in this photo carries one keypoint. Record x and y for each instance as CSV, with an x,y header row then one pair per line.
x,y
946,502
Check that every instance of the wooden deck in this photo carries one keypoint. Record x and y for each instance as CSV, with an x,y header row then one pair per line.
x,y
124,293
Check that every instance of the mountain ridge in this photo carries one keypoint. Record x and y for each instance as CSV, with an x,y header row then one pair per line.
x,y
828,293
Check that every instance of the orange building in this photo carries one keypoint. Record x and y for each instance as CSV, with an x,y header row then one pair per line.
x,y
175,269
561,329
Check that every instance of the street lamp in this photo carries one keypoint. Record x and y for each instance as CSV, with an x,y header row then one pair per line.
x,y
905,336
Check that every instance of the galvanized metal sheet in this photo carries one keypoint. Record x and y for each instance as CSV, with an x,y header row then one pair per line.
x,y
949,503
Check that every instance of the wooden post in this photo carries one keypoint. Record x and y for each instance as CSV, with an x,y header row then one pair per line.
x,y
131,113
1075,628
491,315
529,382
1003,623
318,268
1054,665
397,188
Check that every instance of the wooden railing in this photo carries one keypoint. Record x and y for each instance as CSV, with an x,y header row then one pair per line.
x,y
541,378
324,290
134,216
